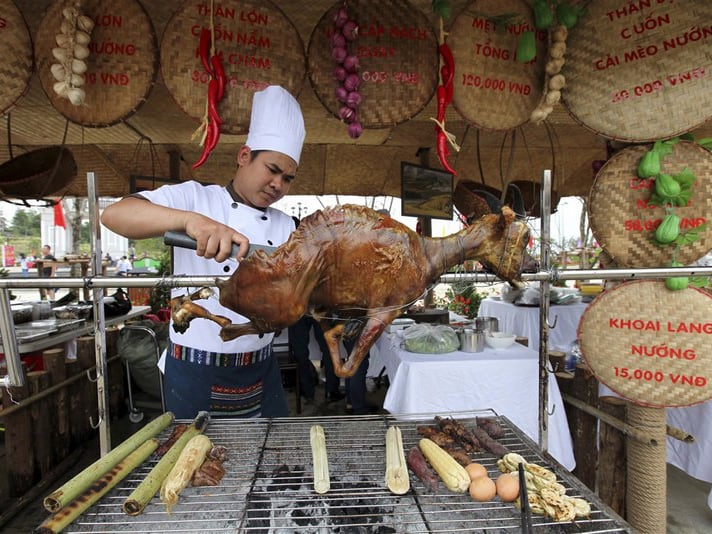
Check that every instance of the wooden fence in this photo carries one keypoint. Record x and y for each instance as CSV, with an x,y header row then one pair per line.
x,y
50,416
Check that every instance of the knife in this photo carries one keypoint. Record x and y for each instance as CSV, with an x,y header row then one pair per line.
x,y
183,240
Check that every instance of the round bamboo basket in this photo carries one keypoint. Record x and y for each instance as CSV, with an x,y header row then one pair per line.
x,y
658,347
39,173
492,90
624,223
642,74
398,60
121,66
16,60
258,46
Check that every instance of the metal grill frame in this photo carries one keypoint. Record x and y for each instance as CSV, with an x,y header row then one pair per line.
x,y
267,486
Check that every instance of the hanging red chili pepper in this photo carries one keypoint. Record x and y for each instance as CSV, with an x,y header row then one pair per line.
x,y
219,72
444,95
216,91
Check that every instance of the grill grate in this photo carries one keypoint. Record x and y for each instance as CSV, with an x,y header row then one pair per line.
x,y
267,486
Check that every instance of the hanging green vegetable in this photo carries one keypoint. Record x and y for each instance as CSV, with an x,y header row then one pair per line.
x,y
568,14
649,165
666,187
677,283
442,8
668,230
543,16
526,47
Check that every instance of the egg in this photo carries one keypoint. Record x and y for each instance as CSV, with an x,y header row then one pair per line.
x,y
507,487
476,470
483,489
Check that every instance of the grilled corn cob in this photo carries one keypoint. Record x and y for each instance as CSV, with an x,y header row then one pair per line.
x,y
190,459
452,474
396,469
320,460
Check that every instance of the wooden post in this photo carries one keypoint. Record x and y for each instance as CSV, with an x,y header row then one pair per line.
x,y
85,352
54,363
612,479
74,395
583,426
115,380
89,404
40,412
19,453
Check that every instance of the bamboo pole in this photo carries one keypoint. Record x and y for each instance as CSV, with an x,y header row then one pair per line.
x,y
625,427
77,485
142,495
60,520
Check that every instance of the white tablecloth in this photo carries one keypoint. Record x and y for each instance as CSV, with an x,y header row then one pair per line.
x,y
695,459
524,321
503,380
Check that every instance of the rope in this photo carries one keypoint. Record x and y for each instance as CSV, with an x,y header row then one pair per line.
x,y
646,491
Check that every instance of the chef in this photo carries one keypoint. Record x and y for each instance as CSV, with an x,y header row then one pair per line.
x,y
237,378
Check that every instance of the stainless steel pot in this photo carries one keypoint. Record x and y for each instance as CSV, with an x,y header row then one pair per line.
x,y
489,324
471,340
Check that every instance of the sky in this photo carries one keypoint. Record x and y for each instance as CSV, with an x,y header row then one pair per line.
x,y
564,223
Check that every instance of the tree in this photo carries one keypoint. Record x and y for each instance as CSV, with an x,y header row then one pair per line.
x,y
26,223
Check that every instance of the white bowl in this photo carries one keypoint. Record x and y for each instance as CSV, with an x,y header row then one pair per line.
x,y
499,340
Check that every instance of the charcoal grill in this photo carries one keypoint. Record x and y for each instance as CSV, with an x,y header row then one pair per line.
x,y
267,486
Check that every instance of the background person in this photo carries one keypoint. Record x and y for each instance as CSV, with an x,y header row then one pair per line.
x,y
48,271
123,266
236,378
24,264
299,344
356,401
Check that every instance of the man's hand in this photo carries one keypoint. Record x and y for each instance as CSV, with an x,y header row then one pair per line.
x,y
215,240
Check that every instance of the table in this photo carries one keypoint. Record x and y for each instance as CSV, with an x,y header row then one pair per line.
x,y
524,321
83,330
505,380
692,458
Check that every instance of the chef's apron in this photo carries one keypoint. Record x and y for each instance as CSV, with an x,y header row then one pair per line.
x,y
226,385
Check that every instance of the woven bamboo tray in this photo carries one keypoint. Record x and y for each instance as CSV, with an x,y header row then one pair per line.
x,y
122,62
642,73
258,44
622,221
658,347
492,90
398,61
16,59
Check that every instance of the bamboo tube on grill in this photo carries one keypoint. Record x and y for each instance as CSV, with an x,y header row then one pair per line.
x,y
98,489
142,495
77,485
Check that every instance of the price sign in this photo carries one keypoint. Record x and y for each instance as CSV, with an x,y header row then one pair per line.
x,y
651,345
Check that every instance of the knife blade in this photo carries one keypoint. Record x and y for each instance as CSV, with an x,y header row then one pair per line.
x,y
183,240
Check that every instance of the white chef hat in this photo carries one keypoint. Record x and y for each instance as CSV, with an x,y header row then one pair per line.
x,y
276,123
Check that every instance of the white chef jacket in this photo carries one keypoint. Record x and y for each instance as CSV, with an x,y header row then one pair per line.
x,y
262,227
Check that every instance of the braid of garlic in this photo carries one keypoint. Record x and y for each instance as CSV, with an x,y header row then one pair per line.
x,y
71,51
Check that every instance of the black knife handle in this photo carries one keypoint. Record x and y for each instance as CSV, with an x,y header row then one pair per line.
x,y
183,240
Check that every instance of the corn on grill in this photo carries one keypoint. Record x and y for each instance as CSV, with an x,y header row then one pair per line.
x,y
268,486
